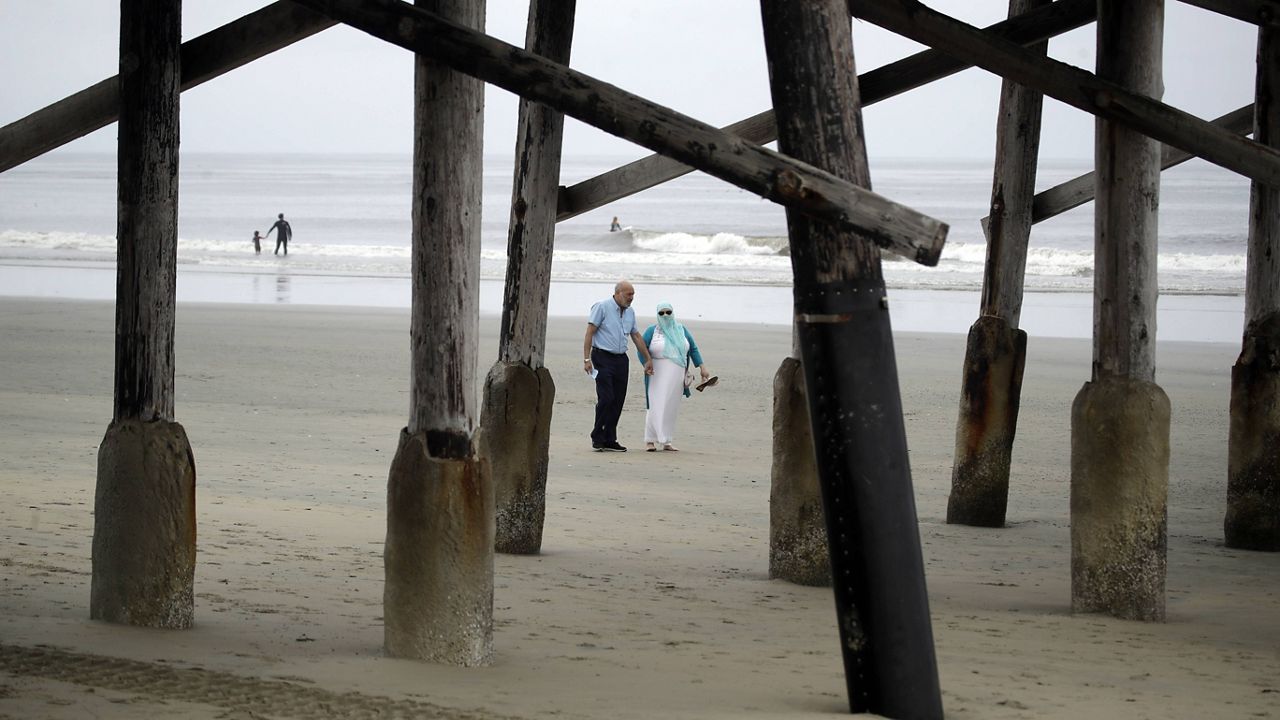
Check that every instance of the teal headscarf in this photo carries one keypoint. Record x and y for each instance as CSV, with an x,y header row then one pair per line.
x,y
676,348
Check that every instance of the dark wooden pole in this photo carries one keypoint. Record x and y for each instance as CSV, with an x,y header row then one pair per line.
x,y
519,394
1095,94
997,349
438,596
203,58
1253,459
144,522
855,408
879,84
728,157
1120,419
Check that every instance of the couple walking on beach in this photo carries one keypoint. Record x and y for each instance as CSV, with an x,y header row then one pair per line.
x,y
284,233
668,352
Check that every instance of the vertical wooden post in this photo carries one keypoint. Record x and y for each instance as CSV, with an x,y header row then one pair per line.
x,y
797,530
850,373
519,393
997,349
1253,458
144,534
438,597
1120,419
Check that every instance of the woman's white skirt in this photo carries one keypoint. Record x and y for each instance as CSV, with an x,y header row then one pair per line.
x,y
665,389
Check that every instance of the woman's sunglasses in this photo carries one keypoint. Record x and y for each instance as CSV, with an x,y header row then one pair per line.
x,y
664,312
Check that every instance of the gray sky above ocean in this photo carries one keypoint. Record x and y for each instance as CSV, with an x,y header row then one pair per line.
x,y
343,91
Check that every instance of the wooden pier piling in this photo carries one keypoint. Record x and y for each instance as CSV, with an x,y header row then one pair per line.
x,y
851,377
996,352
519,393
1120,419
1253,452
438,597
144,531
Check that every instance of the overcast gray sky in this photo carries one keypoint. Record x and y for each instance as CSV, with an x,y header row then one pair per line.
x,y
344,91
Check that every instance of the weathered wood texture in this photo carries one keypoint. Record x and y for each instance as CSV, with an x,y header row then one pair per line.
x,y
144,526
723,155
876,85
1262,272
437,598
1094,94
514,439
1261,12
995,353
1120,419
1013,186
990,397
144,534
1079,190
1119,506
203,58
1253,455
447,171
519,395
531,231
1128,198
798,550
438,591
851,378
147,209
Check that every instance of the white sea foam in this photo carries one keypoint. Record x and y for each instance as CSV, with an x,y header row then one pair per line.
x,y
351,216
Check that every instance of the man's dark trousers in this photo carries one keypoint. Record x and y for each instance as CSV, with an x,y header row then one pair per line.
x,y
611,393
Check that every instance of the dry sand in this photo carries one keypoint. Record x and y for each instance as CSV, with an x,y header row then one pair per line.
x,y
651,598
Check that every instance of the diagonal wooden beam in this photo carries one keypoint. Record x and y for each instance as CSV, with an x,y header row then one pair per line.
x,y
203,58
1079,190
768,174
1258,12
876,85
1074,87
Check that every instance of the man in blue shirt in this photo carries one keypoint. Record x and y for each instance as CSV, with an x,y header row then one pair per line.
x,y
604,352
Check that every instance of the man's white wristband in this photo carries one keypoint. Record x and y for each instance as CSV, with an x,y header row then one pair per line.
x,y
586,359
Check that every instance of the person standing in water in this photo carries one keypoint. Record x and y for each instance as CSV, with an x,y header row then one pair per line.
x,y
257,243
284,234
615,226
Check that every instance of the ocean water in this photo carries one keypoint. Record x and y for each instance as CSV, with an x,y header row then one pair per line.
x,y
700,240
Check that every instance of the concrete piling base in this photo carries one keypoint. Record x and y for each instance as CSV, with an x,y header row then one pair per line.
x,y
1119,506
514,439
988,421
1253,452
144,528
797,529
438,597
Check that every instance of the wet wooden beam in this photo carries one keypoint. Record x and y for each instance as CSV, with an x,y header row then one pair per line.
x,y
1073,86
876,85
203,58
1079,190
1253,464
855,407
1258,12
747,165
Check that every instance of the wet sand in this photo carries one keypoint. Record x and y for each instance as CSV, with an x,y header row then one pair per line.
x,y
651,598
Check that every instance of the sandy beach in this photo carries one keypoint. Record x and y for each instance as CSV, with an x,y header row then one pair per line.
x,y
651,597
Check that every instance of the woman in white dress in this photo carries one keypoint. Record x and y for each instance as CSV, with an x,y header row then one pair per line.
x,y
672,348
